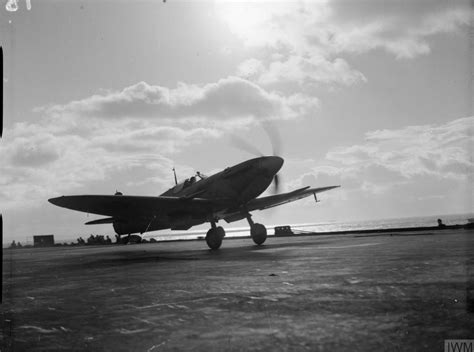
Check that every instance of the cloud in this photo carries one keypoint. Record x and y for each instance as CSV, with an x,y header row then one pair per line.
x,y
231,98
30,153
250,68
398,34
73,146
398,170
439,150
160,139
315,70
306,41
37,165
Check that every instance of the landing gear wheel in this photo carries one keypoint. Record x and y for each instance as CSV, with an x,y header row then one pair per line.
x,y
258,233
214,237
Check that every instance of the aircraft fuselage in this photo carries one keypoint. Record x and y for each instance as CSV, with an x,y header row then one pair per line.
x,y
240,183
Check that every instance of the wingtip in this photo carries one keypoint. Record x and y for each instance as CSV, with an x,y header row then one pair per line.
x,y
54,200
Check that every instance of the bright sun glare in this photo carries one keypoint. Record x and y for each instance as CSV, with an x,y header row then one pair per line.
x,y
244,18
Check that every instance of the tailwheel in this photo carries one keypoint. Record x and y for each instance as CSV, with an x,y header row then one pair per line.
x,y
258,233
130,239
214,237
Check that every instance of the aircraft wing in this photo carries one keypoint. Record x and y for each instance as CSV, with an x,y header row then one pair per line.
x,y
278,199
134,206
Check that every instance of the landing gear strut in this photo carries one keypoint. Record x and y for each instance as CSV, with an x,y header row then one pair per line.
x,y
214,236
257,231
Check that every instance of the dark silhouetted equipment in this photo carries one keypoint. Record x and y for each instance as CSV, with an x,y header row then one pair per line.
x,y
283,231
43,241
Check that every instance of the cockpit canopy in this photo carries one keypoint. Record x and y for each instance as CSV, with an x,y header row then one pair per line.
x,y
188,182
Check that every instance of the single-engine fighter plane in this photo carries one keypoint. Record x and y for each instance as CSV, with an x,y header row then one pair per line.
x,y
229,195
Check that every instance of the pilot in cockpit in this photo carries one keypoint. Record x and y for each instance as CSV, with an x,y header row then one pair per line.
x,y
189,182
201,176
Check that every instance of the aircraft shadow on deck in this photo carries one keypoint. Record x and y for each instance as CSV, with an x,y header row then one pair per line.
x,y
156,256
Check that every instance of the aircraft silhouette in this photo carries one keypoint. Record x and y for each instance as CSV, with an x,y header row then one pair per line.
x,y
229,195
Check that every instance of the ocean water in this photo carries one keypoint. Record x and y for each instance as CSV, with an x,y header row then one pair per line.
x,y
327,226
421,221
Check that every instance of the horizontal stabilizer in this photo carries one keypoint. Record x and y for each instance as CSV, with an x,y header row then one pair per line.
x,y
100,221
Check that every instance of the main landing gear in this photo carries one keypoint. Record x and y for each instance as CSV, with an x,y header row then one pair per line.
x,y
258,232
214,236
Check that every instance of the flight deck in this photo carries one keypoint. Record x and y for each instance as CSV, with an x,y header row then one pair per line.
x,y
391,291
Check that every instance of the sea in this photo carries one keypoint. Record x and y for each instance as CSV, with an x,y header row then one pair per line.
x,y
324,226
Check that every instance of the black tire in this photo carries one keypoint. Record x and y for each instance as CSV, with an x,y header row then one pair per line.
x,y
220,231
214,237
258,233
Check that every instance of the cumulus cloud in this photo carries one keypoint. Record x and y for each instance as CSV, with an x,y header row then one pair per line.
x,y
440,150
316,69
251,68
398,34
230,98
306,40
400,170
92,140
37,165
162,139
29,153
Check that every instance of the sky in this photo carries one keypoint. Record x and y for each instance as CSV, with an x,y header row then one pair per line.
x,y
99,96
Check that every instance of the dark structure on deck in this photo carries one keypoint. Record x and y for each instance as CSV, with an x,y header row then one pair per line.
x,y
283,231
43,241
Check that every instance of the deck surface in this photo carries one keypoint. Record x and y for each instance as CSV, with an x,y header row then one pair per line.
x,y
407,291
